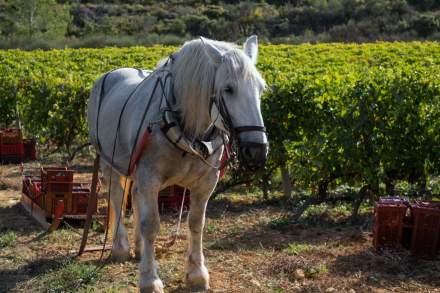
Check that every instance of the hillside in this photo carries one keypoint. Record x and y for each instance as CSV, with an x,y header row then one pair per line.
x,y
143,22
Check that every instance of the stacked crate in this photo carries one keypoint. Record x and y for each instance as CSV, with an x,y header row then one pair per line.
x,y
389,214
80,198
416,226
11,146
15,149
426,228
29,146
55,184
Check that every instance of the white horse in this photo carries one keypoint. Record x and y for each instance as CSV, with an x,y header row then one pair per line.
x,y
204,94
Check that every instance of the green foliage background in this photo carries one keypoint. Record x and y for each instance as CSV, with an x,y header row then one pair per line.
x,y
95,23
358,114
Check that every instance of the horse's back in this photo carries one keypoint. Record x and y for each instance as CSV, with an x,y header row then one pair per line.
x,y
116,100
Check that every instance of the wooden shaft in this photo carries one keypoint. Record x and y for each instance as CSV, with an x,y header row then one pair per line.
x,y
91,204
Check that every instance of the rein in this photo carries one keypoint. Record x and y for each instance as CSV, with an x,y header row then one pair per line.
x,y
93,196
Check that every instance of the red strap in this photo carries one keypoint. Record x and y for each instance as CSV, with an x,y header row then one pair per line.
x,y
138,152
225,157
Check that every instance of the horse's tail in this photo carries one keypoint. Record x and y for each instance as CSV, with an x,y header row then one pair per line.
x,y
127,186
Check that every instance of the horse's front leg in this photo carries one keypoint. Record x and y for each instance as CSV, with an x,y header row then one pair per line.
x,y
145,199
197,276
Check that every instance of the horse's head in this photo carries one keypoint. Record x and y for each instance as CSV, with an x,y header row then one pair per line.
x,y
235,106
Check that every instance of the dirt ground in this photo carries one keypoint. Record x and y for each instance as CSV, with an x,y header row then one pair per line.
x,y
250,246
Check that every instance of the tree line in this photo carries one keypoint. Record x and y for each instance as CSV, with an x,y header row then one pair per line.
x,y
95,23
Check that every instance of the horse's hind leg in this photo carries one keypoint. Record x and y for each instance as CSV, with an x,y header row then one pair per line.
x,y
137,230
120,246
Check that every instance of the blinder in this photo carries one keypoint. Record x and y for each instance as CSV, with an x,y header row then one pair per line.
x,y
251,155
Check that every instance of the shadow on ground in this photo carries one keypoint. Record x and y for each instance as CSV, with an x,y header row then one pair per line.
x,y
277,233
390,268
262,237
216,208
15,218
10,278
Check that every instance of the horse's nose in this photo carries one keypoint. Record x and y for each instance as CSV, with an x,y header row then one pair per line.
x,y
253,155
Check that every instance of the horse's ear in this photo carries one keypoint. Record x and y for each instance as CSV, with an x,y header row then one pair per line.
x,y
213,52
250,47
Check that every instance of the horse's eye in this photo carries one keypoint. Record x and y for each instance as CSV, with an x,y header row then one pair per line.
x,y
229,90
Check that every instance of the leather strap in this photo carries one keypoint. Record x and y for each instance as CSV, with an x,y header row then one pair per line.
x,y
138,151
91,203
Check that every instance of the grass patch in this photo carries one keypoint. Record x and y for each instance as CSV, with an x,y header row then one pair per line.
x,y
61,236
317,271
97,227
12,258
279,223
8,239
223,244
212,227
286,266
326,215
297,248
69,276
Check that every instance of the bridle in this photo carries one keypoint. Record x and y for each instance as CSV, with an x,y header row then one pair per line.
x,y
227,131
233,132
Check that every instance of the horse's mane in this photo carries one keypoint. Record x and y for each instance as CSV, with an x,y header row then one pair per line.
x,y
194,76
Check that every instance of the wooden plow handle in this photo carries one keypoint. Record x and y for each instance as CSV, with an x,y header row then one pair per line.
x,y
58,216
91,203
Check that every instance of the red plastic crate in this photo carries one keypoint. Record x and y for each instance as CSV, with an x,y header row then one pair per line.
x,y
388,223
56,179
11,159
32,188
11,136
12,150
58,174
30,152
81,186
57,187
426,229
80,201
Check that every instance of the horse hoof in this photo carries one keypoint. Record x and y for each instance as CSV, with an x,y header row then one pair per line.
x,y
152,287
199,288
120,256
198,281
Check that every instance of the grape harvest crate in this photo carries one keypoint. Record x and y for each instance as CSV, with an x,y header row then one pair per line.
x,y
12,153
30,152
14,149
54,196
11,136
399,224
426,229
389,214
